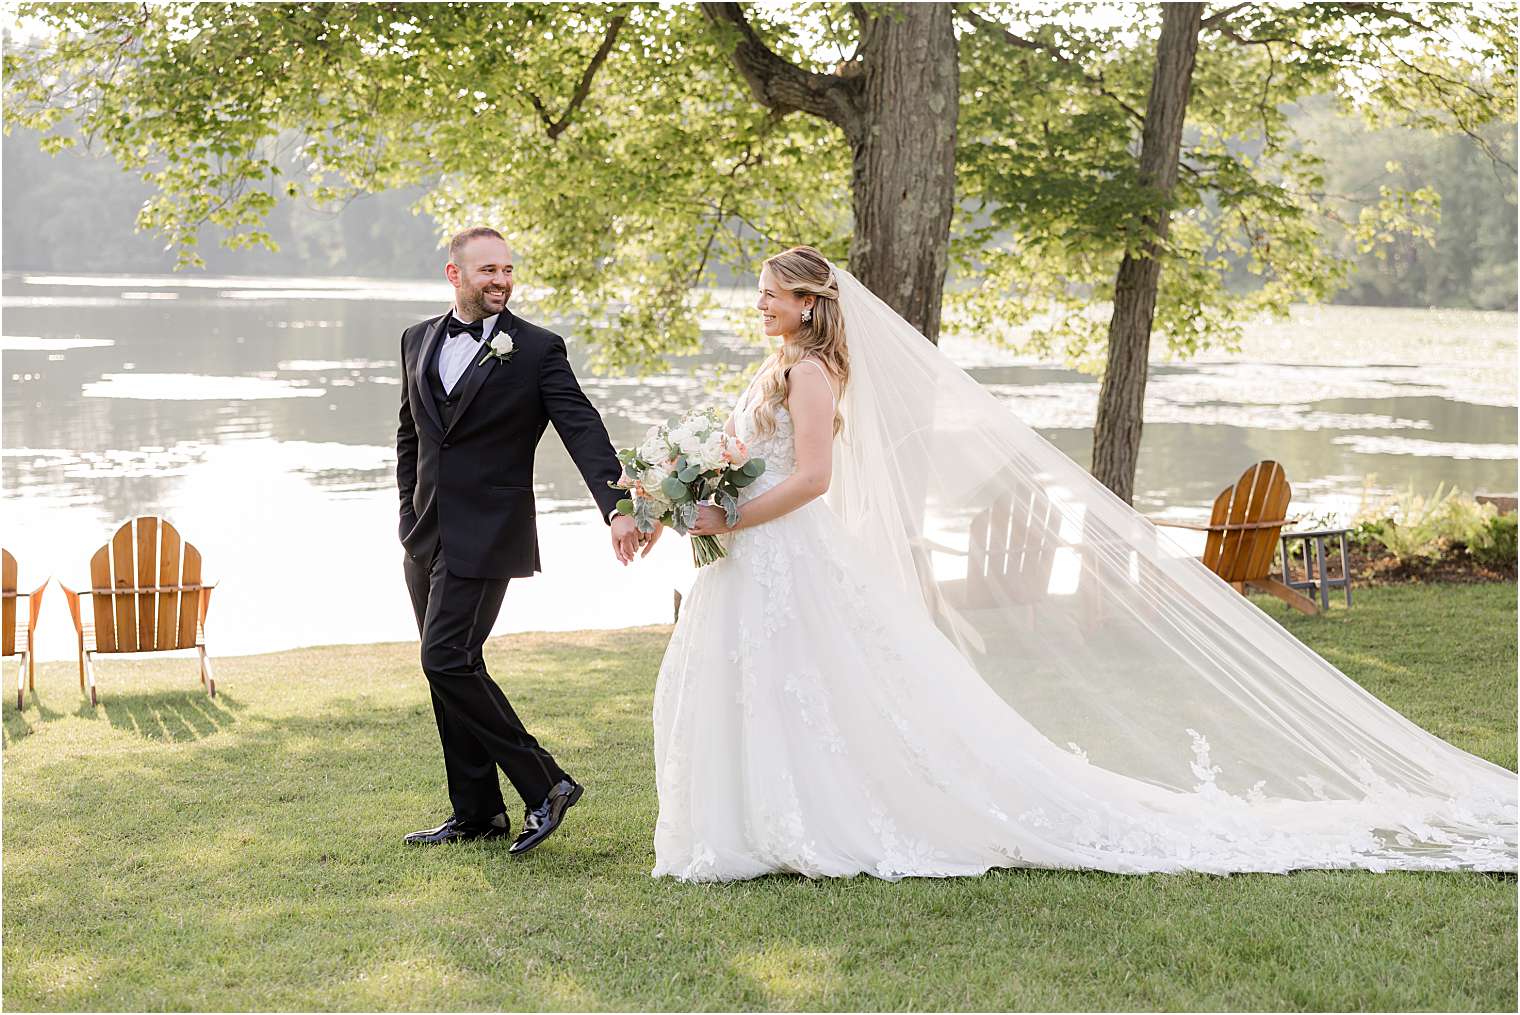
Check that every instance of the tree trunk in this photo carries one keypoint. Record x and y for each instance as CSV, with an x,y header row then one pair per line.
x,y
1121,400
904,159
897,108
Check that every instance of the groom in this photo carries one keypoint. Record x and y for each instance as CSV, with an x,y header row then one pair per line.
x,y
479,386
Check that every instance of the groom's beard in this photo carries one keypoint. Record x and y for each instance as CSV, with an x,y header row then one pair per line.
x,y
477,307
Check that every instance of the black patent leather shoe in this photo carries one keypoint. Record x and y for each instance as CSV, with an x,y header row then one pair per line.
x,y
455,830
541,821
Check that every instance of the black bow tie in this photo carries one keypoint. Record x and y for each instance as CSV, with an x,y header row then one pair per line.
x,y
474,327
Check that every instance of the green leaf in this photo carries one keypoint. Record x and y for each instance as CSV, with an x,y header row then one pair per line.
x,y
644,515
730,506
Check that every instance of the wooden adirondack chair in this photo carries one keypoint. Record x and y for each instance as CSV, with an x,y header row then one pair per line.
x,y
1011,553
1242,533
16,638
146,595
1012,550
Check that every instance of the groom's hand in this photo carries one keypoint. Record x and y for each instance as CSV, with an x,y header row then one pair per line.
x,y
625,538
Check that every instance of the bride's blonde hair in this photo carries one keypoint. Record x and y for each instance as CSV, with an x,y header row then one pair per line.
x,y
804,271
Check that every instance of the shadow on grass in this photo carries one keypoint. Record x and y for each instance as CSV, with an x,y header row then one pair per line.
x,y
169,716
166,715
19,725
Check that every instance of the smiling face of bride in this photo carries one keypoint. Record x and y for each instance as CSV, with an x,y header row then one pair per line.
x,y
794,282
780,309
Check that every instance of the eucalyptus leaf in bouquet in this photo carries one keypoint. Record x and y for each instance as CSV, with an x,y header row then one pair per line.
x,y
681,465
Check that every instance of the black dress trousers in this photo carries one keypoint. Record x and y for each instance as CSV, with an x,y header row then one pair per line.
x,y
477,725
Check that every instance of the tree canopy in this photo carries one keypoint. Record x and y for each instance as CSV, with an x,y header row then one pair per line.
x,y
630,160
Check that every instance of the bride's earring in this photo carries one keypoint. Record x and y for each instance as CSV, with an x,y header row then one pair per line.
x,y
807,316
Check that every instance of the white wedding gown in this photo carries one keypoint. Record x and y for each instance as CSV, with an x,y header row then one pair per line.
x,y
973,655
811,717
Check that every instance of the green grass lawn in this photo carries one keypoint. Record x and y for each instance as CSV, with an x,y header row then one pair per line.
x,y
168,851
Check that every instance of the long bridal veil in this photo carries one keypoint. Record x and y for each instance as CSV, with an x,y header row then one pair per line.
x,y
1115,643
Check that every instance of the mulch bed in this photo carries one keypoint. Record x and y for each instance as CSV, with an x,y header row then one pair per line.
x,y
1376,566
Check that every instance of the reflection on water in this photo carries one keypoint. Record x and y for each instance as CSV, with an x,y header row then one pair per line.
x,y
193,387
260,415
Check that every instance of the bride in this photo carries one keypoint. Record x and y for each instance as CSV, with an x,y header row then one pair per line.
x,y
938,646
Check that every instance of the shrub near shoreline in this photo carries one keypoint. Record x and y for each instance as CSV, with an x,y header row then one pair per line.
x,y
1412,538
1446,526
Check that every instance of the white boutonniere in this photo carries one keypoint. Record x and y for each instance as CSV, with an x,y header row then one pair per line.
x,y
500,346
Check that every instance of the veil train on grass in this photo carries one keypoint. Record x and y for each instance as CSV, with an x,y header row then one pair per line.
x,y
1117,644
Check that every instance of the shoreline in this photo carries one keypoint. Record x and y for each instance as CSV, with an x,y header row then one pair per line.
x,y
1413,579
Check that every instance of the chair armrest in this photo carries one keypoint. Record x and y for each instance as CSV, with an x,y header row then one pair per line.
x,y
1179,525
205,603
928,543
73,601
34,607
1223,526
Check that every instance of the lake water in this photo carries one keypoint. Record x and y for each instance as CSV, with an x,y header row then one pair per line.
x,y
260,414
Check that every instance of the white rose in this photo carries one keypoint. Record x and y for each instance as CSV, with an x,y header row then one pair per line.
x,y
738,451
501,345
654,449
651,479
711,455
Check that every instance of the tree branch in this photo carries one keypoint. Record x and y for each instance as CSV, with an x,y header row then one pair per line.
x,y
1442,85
1386,11
781,85
1019,42
1221,15
554,128
1262,40
1390,11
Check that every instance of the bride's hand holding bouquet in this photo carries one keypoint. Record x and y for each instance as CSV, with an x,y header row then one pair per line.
x,y
685,470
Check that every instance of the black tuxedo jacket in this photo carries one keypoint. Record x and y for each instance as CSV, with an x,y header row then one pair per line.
x,y
468,487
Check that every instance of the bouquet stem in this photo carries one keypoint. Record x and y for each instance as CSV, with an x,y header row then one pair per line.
x,y
706,549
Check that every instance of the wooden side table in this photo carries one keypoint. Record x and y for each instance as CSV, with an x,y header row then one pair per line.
x,y
1316,578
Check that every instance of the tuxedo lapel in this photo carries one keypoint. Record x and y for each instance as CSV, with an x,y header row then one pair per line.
x,y
419,373
476,375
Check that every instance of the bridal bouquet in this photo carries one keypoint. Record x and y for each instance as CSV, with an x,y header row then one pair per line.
x,y
680,465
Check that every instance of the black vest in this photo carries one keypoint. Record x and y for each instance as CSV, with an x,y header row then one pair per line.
x,y
447,403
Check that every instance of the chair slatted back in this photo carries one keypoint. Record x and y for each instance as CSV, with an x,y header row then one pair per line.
x,y
1261,495
1012,550
167,624
147,578
146,583
987,555
105,617
124,576
8,609
189,602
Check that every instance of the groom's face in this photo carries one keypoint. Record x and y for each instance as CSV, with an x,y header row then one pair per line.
x,y
482,277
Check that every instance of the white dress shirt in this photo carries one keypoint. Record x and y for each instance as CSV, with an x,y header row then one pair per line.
x,y
460,351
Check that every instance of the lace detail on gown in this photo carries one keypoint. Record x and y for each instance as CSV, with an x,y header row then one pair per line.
x,y
810,719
